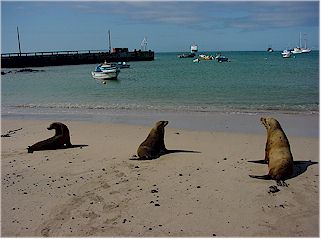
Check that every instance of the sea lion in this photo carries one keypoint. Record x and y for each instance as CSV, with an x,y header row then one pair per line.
x,y
61,139
277,153
61,129
154,145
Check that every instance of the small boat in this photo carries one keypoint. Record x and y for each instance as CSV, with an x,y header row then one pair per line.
x,y
120,65
190,55
221,59
269,49
196,60
286,53
194,50
296,50
206,57
105,72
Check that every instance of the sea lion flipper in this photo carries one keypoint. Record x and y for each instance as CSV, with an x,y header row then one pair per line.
x,y
68,144
30,150
133,157
281,183
264,177
141,158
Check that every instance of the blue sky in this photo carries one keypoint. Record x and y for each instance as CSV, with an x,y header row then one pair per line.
x,y
169,26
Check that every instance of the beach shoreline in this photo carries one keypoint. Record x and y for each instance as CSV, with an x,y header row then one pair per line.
x,y
294,123
95,190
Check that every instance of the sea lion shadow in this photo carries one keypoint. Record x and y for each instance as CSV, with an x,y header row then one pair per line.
x,y
262,161
72,146
299,167
64,147
172,151
77,146
168,151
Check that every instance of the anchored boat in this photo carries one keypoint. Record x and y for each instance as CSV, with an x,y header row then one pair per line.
x,y
286,53
105,72
194,49
299,50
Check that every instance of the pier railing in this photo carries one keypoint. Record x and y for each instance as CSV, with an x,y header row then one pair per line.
x,y
50,53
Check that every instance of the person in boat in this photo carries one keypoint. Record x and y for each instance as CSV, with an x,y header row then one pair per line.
x,y
98,68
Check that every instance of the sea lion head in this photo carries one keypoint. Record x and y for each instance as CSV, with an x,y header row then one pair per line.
x,y
161,124
270,123
57,127
160,127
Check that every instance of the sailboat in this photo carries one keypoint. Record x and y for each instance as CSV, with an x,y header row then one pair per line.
x,y
298,50
305,49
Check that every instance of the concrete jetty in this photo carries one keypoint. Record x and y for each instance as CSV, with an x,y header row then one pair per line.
x,y
56,58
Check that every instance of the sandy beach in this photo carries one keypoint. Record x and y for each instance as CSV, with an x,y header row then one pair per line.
x,y
95,190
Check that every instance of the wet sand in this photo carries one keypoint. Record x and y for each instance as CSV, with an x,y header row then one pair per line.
x,y
96,190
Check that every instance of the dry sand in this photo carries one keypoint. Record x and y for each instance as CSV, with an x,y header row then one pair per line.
x,y
95,190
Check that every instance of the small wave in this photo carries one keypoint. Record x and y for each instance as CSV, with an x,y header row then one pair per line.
x,y
252,109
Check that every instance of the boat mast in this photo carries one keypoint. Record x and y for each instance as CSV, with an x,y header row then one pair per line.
x,y
19,41
300,40
109,41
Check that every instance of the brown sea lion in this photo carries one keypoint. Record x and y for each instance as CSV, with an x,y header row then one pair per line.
x,y
277,153
154,145
61,139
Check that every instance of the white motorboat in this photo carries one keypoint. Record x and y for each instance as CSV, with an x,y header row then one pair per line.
x,y
286,53
194,48
105,72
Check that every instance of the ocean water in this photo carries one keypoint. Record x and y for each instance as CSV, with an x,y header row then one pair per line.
x,y
251,82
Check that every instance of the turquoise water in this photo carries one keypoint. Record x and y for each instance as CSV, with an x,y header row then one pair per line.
x,y
250,82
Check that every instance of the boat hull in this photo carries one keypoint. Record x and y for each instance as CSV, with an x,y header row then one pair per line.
x,y
296,50
307,50
105,75
286,55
